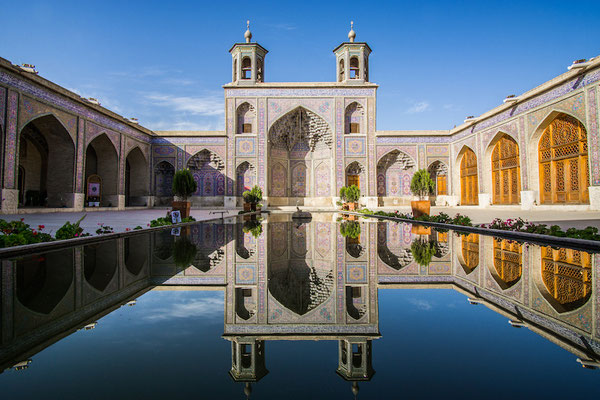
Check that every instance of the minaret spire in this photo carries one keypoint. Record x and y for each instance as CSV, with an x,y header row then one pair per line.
x,y
248,34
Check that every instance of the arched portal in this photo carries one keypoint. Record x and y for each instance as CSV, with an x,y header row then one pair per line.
x,y
100,264
300,150
469,185
245,175
354,118
567,277
394,172
246,119
101,159
355,175
46,164
469,252
508,262
207,168
136,179
439,174
163,183
506,172
393,244
563,162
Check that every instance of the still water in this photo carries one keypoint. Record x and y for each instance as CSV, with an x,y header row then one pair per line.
x,y
283,309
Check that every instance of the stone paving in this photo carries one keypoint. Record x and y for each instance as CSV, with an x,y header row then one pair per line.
x,y
121,220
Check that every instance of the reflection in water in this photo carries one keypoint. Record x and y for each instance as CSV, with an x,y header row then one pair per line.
x,y
287,280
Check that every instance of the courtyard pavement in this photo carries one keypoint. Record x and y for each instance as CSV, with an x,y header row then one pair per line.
x,y
121,220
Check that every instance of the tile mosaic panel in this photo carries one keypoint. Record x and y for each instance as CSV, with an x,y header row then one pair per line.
x,y
355,146
262,141
299,92
245,274
322,179
339,149
10,145
410,150
438,151
593,135
356,273
245,146
279,107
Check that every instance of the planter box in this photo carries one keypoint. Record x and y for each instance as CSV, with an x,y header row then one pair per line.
x,y
183,207
420,230
420,207
350,206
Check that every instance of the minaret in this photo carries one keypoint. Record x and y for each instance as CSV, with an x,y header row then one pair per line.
x,y
352,59
248,60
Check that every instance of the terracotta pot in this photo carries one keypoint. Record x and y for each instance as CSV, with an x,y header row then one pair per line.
x,y
352,206
349,217
420,207
247,207
183,207
345,206
420,230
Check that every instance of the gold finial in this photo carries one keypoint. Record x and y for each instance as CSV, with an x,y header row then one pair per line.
x,y
248,34
351,34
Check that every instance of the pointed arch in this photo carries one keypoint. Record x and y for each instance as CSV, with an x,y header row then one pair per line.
x,y
502,164
393,245
507,262
394,172
46,145
100,265
564,277
245,174
438,170
356,174
245,118
101,159
354,118
467,252
208,168
559,160
136,189
469,177
163,182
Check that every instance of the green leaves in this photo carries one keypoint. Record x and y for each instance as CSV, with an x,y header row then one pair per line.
x,y
350,194
184,184
421,184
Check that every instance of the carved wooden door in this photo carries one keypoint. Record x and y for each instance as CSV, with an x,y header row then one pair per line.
x,y
469,185
506,173
563,162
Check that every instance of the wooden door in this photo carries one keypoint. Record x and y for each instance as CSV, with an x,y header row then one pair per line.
x,y
470,251
567,275
506,172
353,180
441,185
563,162
508,261
469,185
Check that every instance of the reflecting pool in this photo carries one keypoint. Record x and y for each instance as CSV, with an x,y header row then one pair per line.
x,y
297,309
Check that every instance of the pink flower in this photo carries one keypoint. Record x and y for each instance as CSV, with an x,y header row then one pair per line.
x,y
22,219
77,234
127,229
40,227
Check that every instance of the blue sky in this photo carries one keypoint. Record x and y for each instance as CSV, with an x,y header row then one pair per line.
x,y
164,62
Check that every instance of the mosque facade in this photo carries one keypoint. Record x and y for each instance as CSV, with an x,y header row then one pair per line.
x,y
300,142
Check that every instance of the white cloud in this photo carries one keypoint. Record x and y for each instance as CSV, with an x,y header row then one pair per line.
x,y
452,107
421,304
418,107
211,105
205,307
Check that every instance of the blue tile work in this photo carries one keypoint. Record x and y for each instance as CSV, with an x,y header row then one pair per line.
x,y
299,92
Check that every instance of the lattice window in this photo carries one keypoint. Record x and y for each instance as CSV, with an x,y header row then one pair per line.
x,y
470,252
563,162
506,172
469,188
507,262
567,275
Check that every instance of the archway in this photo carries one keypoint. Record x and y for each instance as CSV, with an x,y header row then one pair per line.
x,y
567,278
45,145
439,174
100,264
506,171
355,175
135,251
468,256
246,118
300,149
394,172
101,159
354,119
207,168
469,184
136,189
563,162
245,175
393,244
163,183
507,262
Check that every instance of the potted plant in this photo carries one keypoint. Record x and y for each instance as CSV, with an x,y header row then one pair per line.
x,y
422,251
184,186
352,194
184,252
343,198
254,227
252,197
421,185
350,230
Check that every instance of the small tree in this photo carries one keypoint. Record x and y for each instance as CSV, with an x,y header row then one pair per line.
x,y
422,251
184,184
184,252
343,193
253,195
421,184
353,193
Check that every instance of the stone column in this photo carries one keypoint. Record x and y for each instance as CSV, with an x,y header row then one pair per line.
x,y
527,199
484,200
594,197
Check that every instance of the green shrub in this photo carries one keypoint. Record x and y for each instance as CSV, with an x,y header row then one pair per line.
x,y
17,233
422,251
253,196
70,231
254,227
421,184
343,193
184,252
184,184
350,229
352,193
